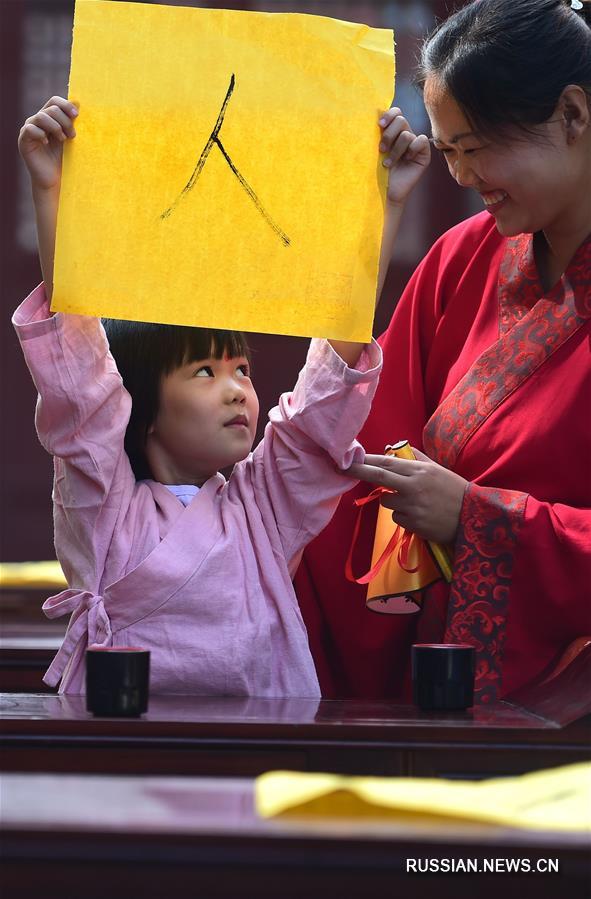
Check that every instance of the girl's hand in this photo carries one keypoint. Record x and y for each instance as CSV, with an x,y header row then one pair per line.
x,y
428,498
406,154
41,141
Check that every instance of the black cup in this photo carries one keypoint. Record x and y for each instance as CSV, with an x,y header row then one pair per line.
x,y
443,676
117,681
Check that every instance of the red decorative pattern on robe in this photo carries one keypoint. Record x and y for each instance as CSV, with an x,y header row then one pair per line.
x,y
479,598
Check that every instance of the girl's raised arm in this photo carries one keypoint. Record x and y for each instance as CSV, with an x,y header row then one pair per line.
x,y
40,145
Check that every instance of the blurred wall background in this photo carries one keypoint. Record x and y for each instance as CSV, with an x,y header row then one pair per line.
x,y
35,40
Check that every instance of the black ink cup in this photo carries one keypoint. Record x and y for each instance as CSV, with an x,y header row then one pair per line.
x,y
117,681
443,676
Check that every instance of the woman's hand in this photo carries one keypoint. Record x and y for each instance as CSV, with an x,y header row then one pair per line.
x,y
428,497
406,155
41,142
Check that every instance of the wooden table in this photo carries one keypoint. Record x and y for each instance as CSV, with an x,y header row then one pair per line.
x,y
24,660
245,737
28,641
73,836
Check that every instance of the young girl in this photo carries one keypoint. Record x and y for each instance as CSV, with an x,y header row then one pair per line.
x,y
160,550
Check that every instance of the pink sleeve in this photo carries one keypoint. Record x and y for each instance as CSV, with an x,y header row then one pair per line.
x,y
81,417
310,436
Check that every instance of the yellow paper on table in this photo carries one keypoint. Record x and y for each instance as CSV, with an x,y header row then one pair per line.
x,y
556,799
226,170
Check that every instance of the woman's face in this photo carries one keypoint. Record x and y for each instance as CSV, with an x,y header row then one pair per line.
x,y
527,183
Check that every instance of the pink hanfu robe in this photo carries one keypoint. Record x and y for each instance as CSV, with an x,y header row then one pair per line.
x,y
206,588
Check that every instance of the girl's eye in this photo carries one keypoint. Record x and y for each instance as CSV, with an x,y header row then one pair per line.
x,y
244,370
206,371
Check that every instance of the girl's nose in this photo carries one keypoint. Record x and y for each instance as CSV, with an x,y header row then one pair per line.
x,y
235,392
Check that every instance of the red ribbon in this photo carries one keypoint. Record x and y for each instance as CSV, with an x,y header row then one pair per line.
x,y
403,550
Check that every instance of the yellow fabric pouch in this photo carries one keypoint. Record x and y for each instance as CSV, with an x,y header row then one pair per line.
x,y
402,564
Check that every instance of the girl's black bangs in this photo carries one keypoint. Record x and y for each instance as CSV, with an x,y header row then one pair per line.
x,y
182,345
228,343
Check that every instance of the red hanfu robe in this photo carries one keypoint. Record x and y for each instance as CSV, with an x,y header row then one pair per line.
x,y
491,377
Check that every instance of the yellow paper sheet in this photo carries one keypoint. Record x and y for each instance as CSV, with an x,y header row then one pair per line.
x,y
278,228
556,799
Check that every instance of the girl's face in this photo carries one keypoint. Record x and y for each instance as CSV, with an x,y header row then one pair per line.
x,y
207,420
527,184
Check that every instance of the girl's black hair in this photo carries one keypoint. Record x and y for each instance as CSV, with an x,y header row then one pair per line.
x,y
144,354
506,62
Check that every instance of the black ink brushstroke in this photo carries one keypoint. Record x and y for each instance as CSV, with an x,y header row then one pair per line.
x,y
214,139
206,150
253,196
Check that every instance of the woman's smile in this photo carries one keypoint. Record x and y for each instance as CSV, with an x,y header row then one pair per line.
x,y
493,199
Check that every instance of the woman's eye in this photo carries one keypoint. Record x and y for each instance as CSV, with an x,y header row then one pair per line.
x,y
447,151
206,371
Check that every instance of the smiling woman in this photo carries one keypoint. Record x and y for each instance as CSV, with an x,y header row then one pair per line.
x,y
486,364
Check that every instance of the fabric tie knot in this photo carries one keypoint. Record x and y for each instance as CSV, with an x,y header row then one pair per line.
x,y
90,626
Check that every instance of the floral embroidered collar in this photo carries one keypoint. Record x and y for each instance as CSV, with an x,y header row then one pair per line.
x,y
520,287
532,326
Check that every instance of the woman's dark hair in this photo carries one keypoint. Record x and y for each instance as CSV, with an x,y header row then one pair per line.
x,y
506,62
144,353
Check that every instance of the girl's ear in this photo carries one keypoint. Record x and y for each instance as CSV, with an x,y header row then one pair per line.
x,y
573,108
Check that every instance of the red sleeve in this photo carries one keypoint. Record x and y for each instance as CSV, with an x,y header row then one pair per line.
x,y
510,595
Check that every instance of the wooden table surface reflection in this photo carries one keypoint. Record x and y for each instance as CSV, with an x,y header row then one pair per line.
x,y
246,736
